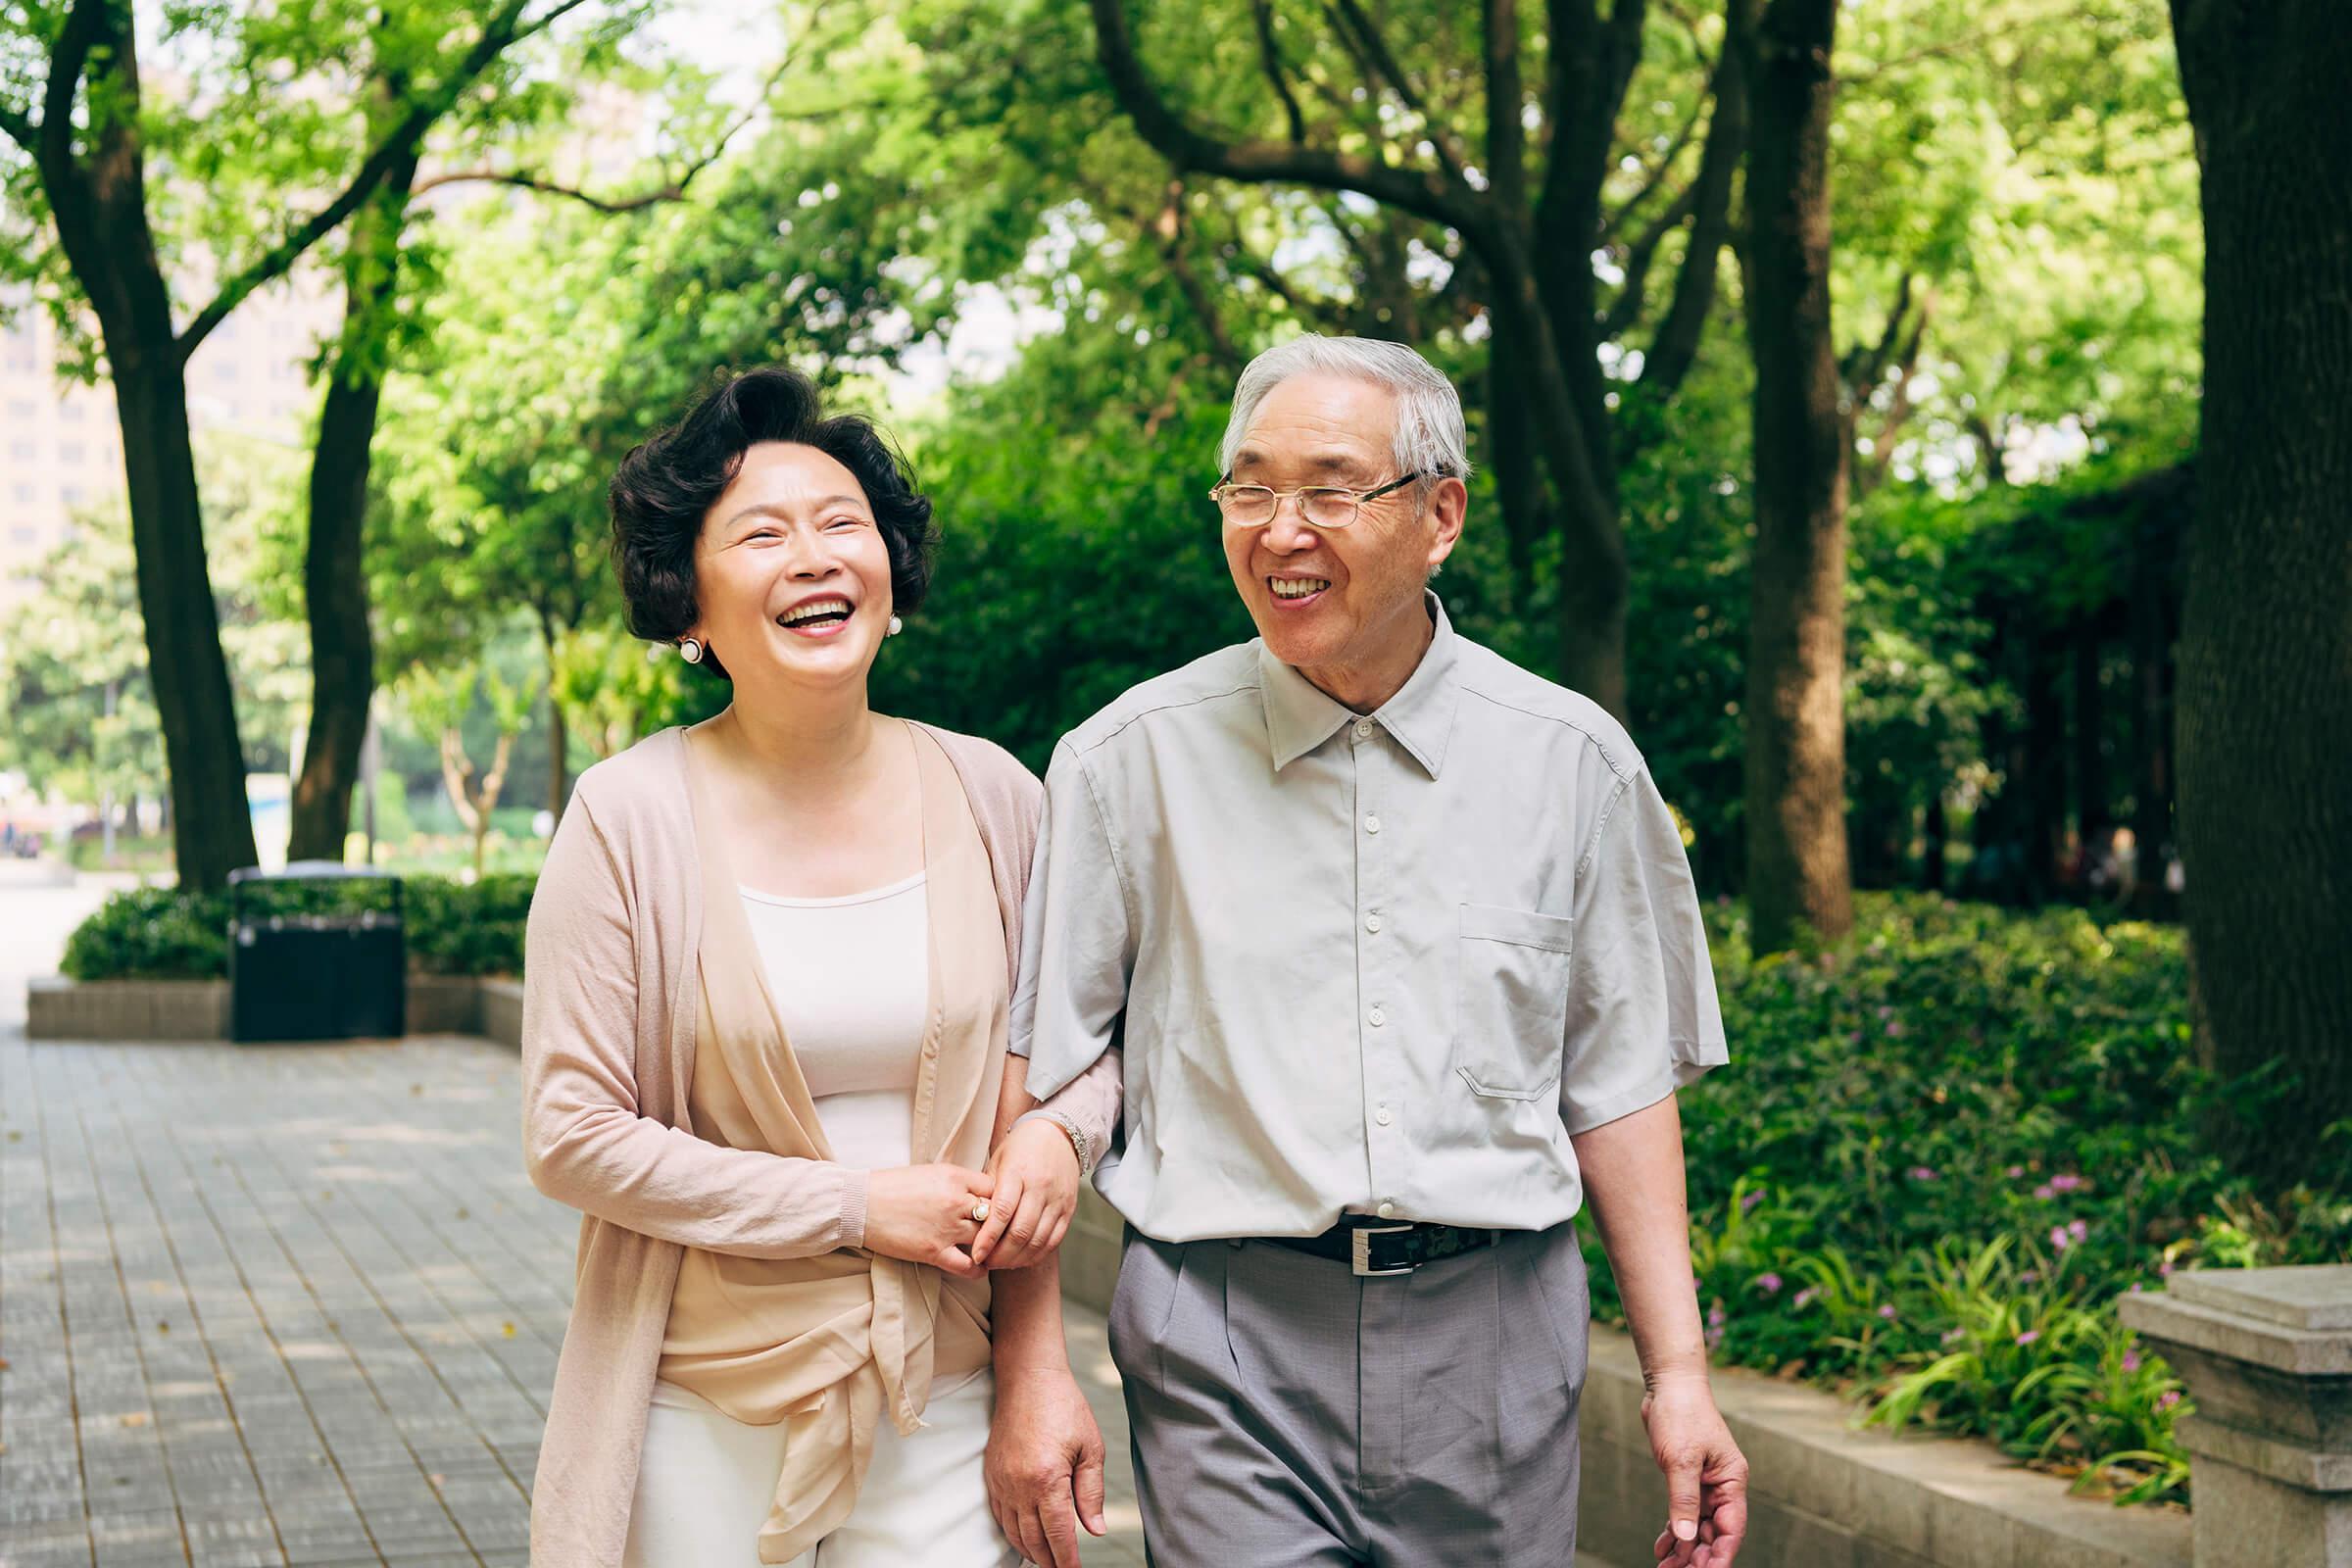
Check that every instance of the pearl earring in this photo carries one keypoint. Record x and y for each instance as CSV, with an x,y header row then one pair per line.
x,y
690,650
896,626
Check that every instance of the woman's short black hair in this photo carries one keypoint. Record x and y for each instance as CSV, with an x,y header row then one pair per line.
x,y
665,487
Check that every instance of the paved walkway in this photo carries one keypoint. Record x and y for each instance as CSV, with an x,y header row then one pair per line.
x,y
288,1304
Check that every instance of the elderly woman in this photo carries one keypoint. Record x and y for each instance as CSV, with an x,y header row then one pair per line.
x,y
764,1030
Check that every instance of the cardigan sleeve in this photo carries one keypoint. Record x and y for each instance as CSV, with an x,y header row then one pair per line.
x,y
586,1140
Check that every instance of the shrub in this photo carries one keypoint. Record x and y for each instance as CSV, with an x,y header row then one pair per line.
x,y
1943,1147
163,933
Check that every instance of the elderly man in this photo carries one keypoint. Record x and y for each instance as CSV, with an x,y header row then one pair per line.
x,y
1401,949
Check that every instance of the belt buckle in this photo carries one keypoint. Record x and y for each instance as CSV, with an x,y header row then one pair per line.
x,y
1360,1243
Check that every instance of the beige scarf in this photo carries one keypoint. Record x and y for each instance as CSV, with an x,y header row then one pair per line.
x,y
826,1344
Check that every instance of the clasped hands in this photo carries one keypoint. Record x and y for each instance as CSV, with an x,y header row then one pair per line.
x,y
966,1222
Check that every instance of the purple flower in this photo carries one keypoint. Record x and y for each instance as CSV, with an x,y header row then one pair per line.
x,y
2172,1396
2027,1276
2028,1337
1887,1311
1855,1038
1750,1201
2131,1360
1715,1316
2059,1239
1770,1282
1884,1013
2164,1270
1894,1030
1803,1298
2077,1229
1950,1335
2068,1184
1923,1173
2046,1191
2014,1172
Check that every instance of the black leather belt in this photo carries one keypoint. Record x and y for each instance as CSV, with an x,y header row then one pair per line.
x,y
1376,1246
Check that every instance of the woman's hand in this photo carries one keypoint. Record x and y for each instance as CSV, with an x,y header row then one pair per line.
x,y
1036,1173
928,1215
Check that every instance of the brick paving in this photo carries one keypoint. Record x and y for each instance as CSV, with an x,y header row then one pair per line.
x,y
289,1304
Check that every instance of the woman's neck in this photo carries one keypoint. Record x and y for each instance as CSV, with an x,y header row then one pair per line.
x,y
801,749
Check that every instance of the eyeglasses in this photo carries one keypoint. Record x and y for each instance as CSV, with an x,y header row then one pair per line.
x,y
1323,505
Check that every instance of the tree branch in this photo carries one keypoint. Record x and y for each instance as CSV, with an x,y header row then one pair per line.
x,y
1384,61
1506,131
20,129
1426,193
67,61
1674,349
497,36
1167,227
675,190
1632,296
1272,58
1655,176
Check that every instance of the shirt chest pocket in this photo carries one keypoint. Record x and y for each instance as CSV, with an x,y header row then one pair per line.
x,y
1510,1020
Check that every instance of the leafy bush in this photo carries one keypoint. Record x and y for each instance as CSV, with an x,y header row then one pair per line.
x,y
152,933
1944,1148
163,933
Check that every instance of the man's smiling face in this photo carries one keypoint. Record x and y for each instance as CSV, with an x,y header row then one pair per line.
x,y
1342,606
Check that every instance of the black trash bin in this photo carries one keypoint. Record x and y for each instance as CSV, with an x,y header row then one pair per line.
x,y
312,972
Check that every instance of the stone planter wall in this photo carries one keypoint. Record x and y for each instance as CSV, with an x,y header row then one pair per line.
x,y
58,1008
1822,1495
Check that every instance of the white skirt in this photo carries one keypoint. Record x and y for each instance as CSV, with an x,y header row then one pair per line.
x,y
705,1482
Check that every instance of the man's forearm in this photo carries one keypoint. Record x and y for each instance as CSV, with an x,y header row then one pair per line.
x,y
1026,1313
1633,1174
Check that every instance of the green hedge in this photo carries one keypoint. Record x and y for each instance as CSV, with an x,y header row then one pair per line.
x,y
161,933
1944,1148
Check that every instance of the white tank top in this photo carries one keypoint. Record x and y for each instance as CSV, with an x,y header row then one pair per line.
x,y
851,978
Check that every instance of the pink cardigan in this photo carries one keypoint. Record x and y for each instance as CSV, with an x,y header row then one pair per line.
x,y
607,1038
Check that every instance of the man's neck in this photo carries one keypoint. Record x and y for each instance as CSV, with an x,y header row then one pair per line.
x,y
1364,686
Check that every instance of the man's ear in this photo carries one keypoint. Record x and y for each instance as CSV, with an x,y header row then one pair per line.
x,y
1448,513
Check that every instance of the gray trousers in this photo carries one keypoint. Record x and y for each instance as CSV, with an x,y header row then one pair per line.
x,y
1287,1413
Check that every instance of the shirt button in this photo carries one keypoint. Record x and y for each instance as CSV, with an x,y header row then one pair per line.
x,y
1364,729
1388,1210
1372,923
1382,1116
1371,825
1376,1017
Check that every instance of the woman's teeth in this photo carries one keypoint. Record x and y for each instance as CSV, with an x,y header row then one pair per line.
x,y
1297,587
816,613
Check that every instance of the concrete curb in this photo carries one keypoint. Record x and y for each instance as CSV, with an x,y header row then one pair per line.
x,y
58,1008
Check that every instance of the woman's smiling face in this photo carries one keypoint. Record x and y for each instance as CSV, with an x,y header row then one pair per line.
x,y
792,575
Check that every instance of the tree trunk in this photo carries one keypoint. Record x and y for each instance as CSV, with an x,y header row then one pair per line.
x,y
558,777
334,568
2151,616
2043,772
212,827
1799,873
2266,646
2091,819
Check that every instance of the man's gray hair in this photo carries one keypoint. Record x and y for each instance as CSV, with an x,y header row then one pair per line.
x,y
1429,439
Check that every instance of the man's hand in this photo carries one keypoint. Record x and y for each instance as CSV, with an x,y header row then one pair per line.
x,y
1045,1463
1706,1475
1036,1175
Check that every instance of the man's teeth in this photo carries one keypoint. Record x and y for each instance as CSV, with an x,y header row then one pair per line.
x,y
1297,587
817,610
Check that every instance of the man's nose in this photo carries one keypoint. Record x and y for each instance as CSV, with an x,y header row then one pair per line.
x,y
1290,532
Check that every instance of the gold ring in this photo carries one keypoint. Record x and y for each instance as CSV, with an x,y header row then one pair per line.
x,y
979,1213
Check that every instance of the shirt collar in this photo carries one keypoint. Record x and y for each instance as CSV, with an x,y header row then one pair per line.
x,y
1300,715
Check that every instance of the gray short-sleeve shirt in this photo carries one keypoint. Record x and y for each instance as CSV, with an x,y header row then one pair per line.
x,y
1381,964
